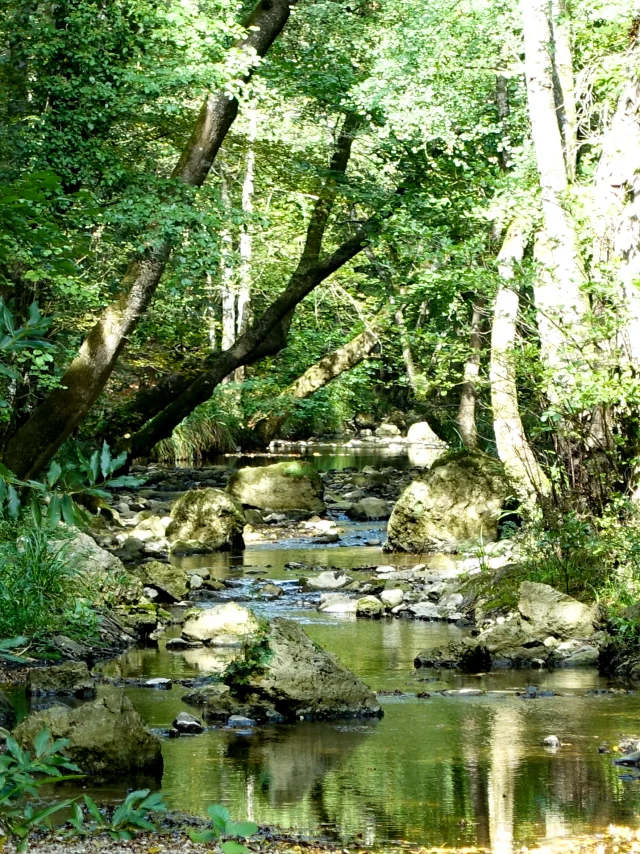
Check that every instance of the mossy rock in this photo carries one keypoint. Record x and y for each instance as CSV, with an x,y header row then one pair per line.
x,y
280,487
453,506
205,520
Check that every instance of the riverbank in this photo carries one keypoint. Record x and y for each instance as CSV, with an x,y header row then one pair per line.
x,y
615,840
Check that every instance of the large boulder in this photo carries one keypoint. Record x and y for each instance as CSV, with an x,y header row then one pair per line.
x,y
548,612
227,624
170,582
456,503
300,679
71,679
7,712
101,570
205,520
107,738
280,487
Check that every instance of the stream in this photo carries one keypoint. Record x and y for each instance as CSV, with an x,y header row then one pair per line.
x,y
465,769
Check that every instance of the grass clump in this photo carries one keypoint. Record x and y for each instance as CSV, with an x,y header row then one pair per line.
x,y
41,591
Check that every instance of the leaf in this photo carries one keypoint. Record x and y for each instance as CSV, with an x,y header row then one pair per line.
x,y
41,742
13,643
93,466
93,809
13,502
105,460
202,835
219,815
54,510
241,828
69,510
232,847
55,470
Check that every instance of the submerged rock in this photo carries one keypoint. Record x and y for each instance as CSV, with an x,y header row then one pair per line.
x,y
457,502
107,738
280,487
370,607
331,579
369,508
7,712
70,679
188,724
301,680
469,656
227,624
205,520
337,603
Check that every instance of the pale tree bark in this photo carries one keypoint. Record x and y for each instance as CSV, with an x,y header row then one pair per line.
x,y
466,420
35,443
312,269
559,301
564,84
360,348
529,481
616,221
228,293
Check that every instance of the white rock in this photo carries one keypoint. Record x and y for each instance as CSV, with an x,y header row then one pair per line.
x,y
425,611
392,598
335,603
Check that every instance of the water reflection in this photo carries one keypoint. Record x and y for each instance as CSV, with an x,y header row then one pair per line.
x,y
505,753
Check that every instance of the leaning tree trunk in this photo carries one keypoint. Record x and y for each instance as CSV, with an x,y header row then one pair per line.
x,y
557,290
521,466
467,409
267,427
34,444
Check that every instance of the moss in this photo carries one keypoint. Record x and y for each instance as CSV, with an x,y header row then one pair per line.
x,y
298,469
469,459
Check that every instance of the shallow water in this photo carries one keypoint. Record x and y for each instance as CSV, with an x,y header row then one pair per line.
x,y
442,770
434,771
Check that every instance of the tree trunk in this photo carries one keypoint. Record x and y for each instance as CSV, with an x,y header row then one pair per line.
x,y
312,380
564,87
528,479
467,409
31,448
415,376
557,290
616,250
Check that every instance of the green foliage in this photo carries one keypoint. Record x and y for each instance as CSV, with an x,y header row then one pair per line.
x,y
221,827
131,816
255,654
68,484
21,775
